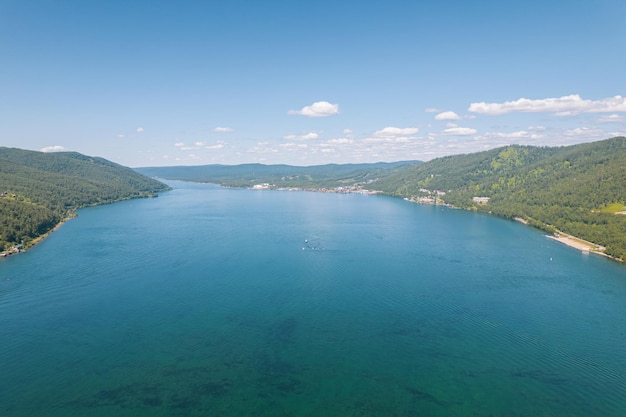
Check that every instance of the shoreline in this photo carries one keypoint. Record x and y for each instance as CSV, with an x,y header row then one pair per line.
x,y
572,241
582,245
37,240
17,249
569,240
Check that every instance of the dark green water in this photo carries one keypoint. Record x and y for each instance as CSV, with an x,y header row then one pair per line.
x,y
217,302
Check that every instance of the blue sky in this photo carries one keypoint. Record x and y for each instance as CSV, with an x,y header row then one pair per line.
x,y
151,83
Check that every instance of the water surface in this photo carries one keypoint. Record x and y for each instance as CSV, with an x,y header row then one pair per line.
x,y
210,301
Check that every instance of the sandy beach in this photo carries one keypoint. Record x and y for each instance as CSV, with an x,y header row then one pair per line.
x,y
578,243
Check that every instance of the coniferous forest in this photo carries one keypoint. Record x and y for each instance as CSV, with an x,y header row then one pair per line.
x,y
38,190
579,189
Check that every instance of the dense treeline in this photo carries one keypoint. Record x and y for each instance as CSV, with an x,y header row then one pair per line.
x,y
576,189
280,176
38,190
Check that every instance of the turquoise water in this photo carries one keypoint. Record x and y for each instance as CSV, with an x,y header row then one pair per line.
x,y
220,302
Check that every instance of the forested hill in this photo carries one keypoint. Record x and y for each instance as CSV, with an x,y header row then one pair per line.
x,y
579,189
280,176
38,190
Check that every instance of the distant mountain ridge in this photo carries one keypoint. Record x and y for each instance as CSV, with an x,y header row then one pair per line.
x,y
578,189
280,176
38,190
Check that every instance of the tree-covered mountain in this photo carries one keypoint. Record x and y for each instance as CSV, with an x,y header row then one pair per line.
x,y
579,189
38,190
280,176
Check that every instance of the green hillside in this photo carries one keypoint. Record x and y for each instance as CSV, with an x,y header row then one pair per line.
x,y
279,176
38,190
579,190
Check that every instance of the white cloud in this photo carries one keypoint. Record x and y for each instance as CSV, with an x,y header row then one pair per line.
x,y
120,136
395,131
447,115
55,148
388,139
223,129
262,148
293,146
139,130
317,109
537,128
340,141
214,147
613,118
459,131
199,143
347,132
583,132
179,144
432,110
308,136
561,106
520,134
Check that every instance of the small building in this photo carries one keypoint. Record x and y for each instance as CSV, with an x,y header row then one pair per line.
x,y
480,200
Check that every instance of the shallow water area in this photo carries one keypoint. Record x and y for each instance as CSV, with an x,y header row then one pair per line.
x,y
212,301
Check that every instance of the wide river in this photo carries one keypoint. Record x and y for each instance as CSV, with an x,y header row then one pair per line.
x,y
219,302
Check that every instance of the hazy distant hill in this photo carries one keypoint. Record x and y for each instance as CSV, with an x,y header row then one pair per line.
x,y
280,176
37,190
579,189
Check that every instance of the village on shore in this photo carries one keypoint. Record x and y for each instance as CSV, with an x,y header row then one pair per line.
x,y
435,197
429,197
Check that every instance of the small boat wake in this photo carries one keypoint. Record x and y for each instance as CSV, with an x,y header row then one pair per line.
x,y
312,245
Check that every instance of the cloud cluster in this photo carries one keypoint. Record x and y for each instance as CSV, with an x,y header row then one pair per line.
x,y
317,109
391,131
308,136
612,118
459,131
340,141
562,106
447,115
55,148
199,145
446,137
